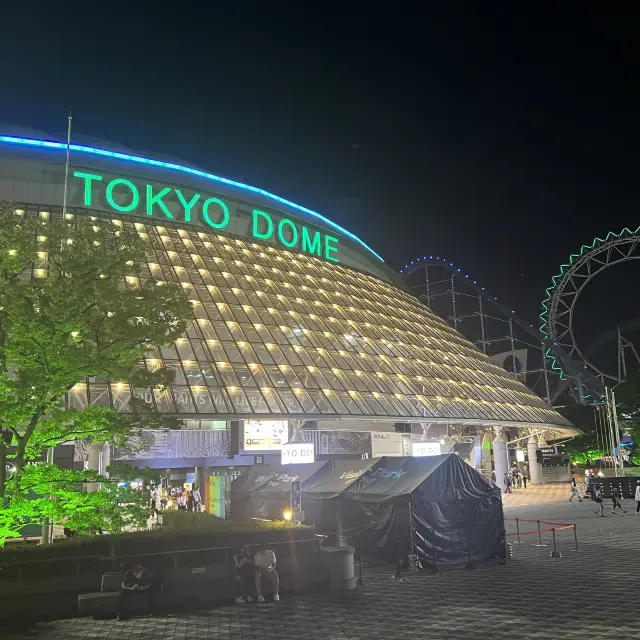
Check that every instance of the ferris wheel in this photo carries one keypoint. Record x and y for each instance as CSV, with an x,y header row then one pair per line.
x,y
559,310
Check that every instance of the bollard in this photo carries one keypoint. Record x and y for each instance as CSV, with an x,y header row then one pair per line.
x,y
555,553
518,528
575,535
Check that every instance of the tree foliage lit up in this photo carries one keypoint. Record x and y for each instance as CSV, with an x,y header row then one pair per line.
x,y
72,306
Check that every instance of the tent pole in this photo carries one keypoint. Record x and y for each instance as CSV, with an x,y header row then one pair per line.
x,y
412,556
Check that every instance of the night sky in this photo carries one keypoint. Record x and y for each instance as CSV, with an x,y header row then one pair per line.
x,y
503,143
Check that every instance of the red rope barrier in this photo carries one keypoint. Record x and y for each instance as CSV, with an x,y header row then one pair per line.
x,y
528,533
557,524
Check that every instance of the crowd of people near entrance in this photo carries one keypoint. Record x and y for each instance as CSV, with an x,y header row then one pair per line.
x,y
179,498
514,478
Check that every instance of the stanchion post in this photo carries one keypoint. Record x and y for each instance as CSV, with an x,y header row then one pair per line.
x,y
539,537
434,567
555,553
518,528
575,536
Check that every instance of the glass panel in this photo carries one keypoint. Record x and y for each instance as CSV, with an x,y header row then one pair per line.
x,y
202,400
164,401
184,402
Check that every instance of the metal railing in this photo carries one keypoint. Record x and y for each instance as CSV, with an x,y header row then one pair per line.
x,y
19,569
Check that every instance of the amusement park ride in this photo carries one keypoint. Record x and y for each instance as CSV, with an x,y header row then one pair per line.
x,y
546,357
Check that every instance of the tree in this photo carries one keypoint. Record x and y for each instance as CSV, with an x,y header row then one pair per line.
x,y
73,304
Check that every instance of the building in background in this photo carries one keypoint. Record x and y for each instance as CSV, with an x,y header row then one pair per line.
x,y
299,330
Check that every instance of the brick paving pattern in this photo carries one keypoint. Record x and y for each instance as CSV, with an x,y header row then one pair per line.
x,y
589,594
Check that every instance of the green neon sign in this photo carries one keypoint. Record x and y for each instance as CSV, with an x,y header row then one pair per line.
x,y
124,196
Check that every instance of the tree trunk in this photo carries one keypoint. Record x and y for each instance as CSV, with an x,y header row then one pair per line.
x,y
3,472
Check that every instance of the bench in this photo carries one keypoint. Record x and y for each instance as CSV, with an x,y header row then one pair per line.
x,y
102,605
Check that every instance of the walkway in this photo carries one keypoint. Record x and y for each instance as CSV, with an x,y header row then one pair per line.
x,y
590,594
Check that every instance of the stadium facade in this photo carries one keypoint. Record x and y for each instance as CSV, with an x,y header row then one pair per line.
x,y
296,320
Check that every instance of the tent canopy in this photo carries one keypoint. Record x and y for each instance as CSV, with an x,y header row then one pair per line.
x,y
335,477
443,478
281,477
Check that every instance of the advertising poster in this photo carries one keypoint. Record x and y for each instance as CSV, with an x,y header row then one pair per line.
x,y
214,500
265,435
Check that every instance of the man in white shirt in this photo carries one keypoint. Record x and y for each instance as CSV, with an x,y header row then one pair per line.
x,y
265,564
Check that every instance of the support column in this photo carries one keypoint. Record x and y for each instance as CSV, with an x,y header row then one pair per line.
x,y
535,469
477,451
106,459
93,463
500,458
486,454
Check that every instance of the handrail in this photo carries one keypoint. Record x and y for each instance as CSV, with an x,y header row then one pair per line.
x,y
164,553
67,558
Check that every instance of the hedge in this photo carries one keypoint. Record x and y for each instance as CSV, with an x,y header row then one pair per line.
x,y
183,531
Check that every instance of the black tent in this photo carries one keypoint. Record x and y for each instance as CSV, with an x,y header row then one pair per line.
x,y
439,506
264,491
320,491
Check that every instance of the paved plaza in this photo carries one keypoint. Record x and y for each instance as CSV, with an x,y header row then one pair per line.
x,y
587,594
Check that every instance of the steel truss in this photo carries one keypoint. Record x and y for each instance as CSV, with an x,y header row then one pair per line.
x,y
481,318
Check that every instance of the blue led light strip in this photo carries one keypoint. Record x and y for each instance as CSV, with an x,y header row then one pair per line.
x,y
50,144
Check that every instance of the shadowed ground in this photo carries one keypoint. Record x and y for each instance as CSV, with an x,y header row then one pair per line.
x,y
589,594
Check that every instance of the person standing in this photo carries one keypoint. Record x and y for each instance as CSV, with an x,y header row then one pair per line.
x,y
637,497
616,500
524,479
573,491
197,500
507,482
265,565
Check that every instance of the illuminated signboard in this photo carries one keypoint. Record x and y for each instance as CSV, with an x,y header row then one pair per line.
x,y
125,196
297,452
390,444
422,449
265,435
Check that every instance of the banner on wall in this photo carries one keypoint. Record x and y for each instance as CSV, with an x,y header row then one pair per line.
x,y
214,498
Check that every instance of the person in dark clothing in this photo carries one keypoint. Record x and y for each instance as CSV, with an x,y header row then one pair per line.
x,y
598,499
616,497
524,480
244,573
136,580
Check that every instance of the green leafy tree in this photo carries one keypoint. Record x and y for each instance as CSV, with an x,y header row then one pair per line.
x,y
73,304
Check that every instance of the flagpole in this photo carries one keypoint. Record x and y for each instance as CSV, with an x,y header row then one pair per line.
x,y
47,525
66,168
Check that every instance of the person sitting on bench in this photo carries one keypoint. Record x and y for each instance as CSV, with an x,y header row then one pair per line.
x,y
139,580
265,566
